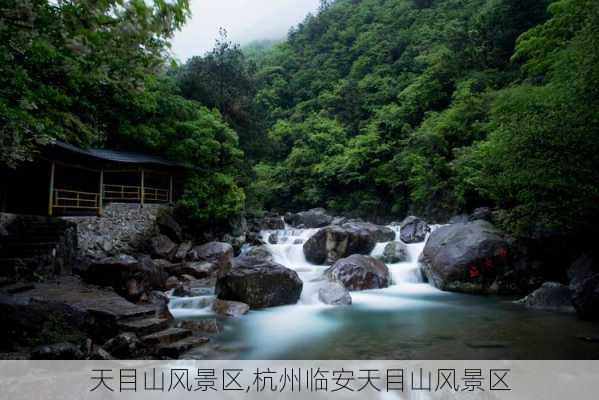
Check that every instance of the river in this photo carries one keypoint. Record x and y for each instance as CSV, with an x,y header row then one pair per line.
x,y
408,320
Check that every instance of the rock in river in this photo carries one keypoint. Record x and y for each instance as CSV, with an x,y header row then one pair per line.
x,y
413,230
335,242
395,252
466,257
359,272
315,218
551,296
259,283
335,294
217,253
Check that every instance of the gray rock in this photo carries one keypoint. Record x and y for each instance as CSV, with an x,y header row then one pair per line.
x,y
459,219
182,250
163,247
259,284
395,252
315,218
99,353
413,230
172,282
551,296
466,257
58,351
170,227
359,272
218,253
586,298
379,233
260,252
230,308
129,277
273,238
335,294
272,223
335,242
125,346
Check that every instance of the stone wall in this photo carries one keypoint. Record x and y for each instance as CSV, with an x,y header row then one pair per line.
x,y
122,229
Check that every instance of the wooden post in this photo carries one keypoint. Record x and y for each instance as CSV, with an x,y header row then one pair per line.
x,y
101,196
170,190
142,187
51,194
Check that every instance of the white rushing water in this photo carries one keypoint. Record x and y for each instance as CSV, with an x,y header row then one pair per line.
x,y
273,330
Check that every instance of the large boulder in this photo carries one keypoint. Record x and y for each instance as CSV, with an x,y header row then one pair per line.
x,y
395,252
586,298
315,218
335,294
413,230
551,296
259,283
170,227
467,257
335,242
359,272
163,247
218,253
131,278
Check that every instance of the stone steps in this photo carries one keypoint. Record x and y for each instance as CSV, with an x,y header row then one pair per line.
x,y
145,326
174,350
166,337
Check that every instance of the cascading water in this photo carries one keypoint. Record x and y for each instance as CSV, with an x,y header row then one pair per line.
x,y
408,320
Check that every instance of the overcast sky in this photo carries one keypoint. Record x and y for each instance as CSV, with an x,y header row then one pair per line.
x,y
244,20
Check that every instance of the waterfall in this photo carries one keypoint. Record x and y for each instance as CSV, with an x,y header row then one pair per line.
x,y
288,251
186,307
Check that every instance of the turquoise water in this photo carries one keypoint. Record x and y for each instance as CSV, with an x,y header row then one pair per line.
x,y
408,320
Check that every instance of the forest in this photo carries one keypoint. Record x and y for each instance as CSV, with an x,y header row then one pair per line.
x,y
370,107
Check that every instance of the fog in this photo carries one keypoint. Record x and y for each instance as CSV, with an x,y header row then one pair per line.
x,y
244,20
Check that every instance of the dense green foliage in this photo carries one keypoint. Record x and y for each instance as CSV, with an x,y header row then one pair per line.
x,y
436,107
379,107
91,72
226,80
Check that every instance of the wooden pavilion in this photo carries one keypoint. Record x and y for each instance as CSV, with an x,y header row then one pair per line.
x,y
68,180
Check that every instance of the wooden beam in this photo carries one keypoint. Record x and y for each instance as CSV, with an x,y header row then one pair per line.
x,y
170,190
51,193
101,195
142,187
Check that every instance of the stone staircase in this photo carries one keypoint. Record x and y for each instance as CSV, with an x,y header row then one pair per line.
x,y
160,337
36,247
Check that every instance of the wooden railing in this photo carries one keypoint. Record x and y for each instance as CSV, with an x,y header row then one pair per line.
x,y
74,199
133,193
122,192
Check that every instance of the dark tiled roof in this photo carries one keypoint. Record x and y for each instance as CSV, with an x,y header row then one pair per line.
x,y
124,157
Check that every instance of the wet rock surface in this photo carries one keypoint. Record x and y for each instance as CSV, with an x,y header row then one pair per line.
x,y
230,308
551,296
315,218
359,272
335,242
467,257
395,252
413,230
334,294
259,284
